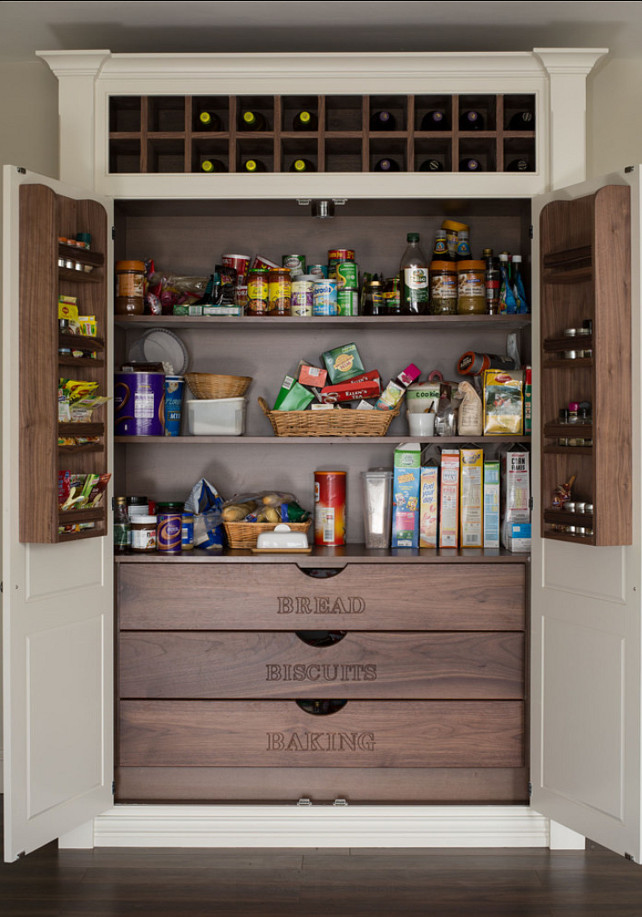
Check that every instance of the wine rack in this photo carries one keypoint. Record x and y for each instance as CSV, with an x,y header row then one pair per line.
x,y
164,134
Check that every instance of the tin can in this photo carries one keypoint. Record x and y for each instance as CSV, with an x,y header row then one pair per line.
x,y
338,254
302,300
295,264
258,302
318,270
168,533
348,302
261,263
329,507
325,297
187,531
347,275
280,291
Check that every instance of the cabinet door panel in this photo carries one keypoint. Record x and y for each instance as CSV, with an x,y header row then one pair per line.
x,y
359,597
361,734
203,664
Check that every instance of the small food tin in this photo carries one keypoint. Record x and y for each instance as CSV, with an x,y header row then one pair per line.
x,y
168,533
295,264
325,297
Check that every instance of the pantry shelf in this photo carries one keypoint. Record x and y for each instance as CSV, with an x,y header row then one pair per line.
x,y
505,322
314,440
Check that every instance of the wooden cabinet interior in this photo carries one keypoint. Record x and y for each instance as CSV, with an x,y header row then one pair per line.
x,y
44,217
586,275
164,133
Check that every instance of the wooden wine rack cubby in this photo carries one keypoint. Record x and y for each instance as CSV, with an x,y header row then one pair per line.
x,y
162,134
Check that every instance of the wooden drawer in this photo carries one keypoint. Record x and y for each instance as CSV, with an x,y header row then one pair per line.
x,y
203,664
361,734
360,597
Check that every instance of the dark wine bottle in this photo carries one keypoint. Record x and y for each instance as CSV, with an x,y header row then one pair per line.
x,y
435,121
522,121
213,165
209,121
387,165
302,165
253,165
431,165
305,121
519,165
253,121
470,165
471,120
383,121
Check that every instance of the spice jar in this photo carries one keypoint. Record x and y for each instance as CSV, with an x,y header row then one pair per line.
x,y
471,288
143,529
130,287
443,288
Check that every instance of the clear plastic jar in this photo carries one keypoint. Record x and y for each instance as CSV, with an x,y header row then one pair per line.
x,y
471,288
130,287
443,288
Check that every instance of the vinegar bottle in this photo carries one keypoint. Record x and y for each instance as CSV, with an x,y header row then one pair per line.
x,y
414,277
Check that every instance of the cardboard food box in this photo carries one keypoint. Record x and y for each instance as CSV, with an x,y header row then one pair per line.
x,y
292,396
516,497
405,489
429,506
312,375
471,494
342,363
367,385
491,504
449,499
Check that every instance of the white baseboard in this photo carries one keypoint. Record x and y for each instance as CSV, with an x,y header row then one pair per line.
x,y
1,769
321,826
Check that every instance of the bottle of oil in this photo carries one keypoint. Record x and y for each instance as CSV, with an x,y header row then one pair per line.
x,y
414,278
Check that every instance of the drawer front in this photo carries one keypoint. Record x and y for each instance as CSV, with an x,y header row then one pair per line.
x,y
203,664
283,597
361,734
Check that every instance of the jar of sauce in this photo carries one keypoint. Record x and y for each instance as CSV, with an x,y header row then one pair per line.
x,y
130,287
143,529
471,287
443,288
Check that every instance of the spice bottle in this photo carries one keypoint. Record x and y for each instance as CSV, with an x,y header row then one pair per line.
x,y
492,280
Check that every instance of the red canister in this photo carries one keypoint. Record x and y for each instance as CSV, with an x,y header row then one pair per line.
x,y
169,529
329,508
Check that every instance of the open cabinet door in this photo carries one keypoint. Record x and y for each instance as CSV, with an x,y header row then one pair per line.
x,y
57,587
586,584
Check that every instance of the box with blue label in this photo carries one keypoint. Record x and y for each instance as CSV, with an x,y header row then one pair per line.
x,y
406,492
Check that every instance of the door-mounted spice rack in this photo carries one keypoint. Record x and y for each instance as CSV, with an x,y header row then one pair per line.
x,y
450,133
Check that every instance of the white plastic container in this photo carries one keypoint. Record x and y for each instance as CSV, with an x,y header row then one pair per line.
x,y
216,417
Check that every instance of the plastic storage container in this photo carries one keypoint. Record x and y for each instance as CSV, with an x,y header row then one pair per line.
x,y
216,417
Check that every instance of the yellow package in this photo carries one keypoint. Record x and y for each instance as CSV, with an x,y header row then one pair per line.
x,y
503,401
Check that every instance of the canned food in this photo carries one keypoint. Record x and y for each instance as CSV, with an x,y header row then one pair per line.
x,y
338,254
280,291
348,302
262,263
169,527
294,263
302,298
318,270
329,507
347,275
325,297
258,302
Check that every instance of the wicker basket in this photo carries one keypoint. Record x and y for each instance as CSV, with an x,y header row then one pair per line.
x,y
329,423
210,385
245,534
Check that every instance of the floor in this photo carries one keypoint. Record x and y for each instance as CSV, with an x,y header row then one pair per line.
x,y
320,883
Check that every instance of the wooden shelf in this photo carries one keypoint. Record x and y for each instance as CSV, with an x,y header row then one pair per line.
x,y
505,323
563,342
315,440
80,276
79,361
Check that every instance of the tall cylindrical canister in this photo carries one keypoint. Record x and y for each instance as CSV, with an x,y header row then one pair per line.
x,y
330,508
169,527
139,400
324,300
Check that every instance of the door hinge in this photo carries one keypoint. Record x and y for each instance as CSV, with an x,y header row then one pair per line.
x,y
113,788
21,171
304,801
530,231
629,169
629,856
530,789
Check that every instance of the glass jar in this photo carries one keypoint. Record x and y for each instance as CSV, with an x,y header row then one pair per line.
x,y
130,287
143,529
471,288
443,288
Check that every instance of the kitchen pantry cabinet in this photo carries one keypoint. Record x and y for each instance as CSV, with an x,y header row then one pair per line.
x,y
198,215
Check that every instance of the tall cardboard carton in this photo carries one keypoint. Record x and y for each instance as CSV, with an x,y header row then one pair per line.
x,y
471,493
449,499
516,497
429,506
406,484
491,504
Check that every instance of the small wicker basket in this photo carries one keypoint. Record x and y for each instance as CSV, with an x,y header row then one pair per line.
x,y
244,535
211,385
329,423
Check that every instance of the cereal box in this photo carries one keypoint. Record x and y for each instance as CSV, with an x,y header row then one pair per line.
x,y
406,485
429,506
516,496
471,493
491,504
449,499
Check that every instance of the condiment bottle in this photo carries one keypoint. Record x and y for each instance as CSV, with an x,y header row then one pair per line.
x,y
443,288
414,277
471,288
492,280
130,287
122,527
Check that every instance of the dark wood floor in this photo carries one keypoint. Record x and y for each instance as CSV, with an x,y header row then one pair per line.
x,y
320,883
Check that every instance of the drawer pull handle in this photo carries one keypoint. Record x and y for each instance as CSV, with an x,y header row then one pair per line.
x,y
322,572
321,638
321,707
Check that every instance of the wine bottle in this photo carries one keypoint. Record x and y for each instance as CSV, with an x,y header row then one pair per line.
x,y
471,120
519,165
213,165
435,121
302,165
387,165
209,121
253,165
383,121
431,165
253,121
122,527
305,121
470,165
522,121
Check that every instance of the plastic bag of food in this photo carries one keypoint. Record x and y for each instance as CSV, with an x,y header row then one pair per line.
x,y
205,502
470,420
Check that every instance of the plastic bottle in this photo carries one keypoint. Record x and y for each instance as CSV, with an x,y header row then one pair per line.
x,y
507,303
122,527
518,286
414,277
